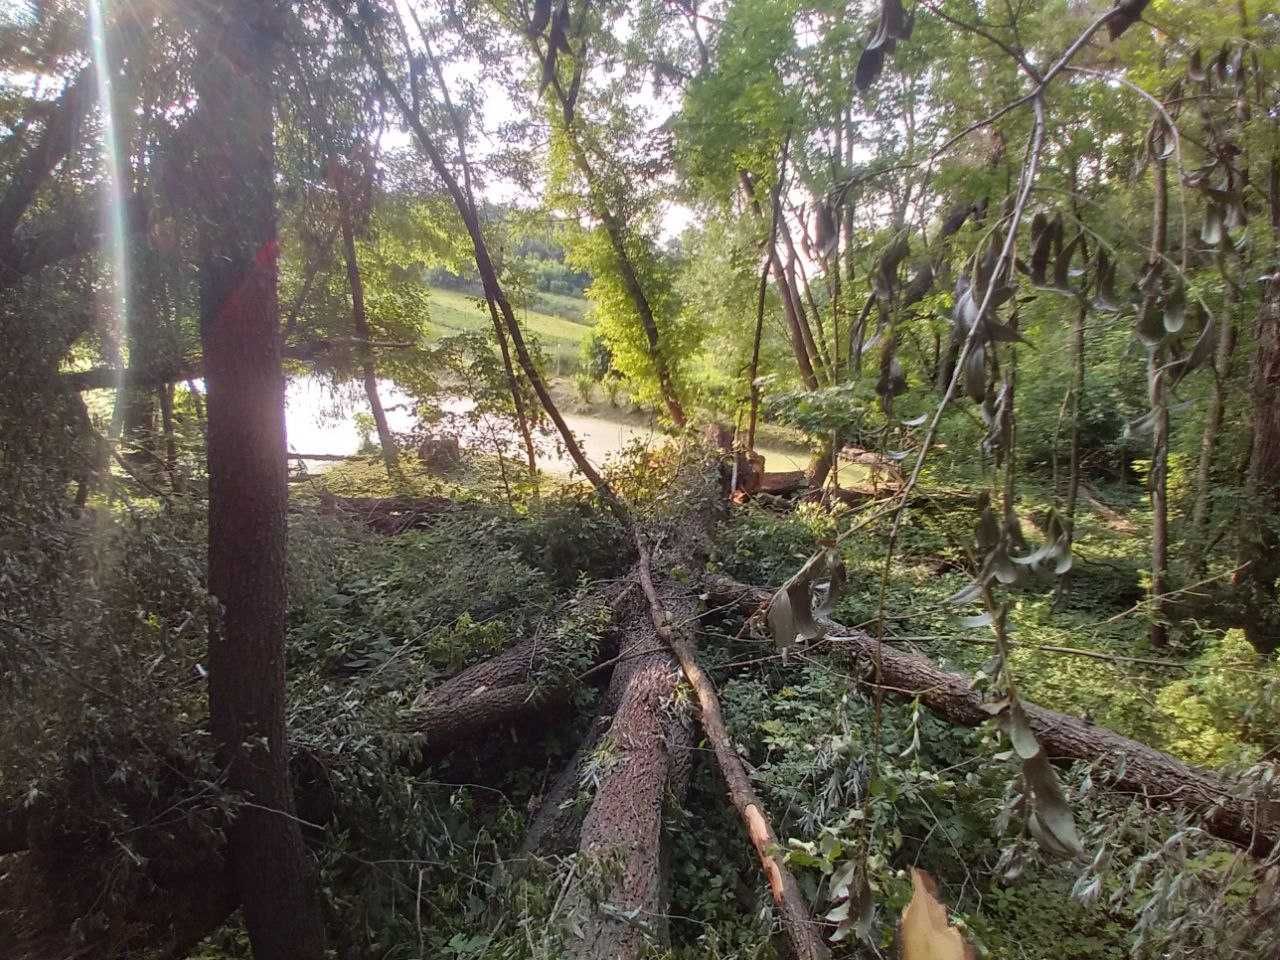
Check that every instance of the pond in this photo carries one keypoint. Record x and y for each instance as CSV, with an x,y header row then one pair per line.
x,y
321,420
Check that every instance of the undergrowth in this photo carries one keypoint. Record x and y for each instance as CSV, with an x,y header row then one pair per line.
x,y
423,858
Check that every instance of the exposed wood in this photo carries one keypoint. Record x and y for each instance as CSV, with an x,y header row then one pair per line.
x,y
1156,777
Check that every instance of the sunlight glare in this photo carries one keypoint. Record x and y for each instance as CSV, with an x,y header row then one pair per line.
x,y
113,200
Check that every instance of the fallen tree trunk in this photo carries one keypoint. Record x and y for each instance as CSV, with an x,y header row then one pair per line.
x,y
1158,778
804,936
508,688
645,758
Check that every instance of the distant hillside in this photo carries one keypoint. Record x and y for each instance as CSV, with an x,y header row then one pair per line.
x,y
558,324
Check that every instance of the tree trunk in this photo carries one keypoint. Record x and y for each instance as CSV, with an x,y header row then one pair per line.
x,y
239,321
1160,410
753,371
803,935
1077,406
646,761
360,324
630,279
1202,509
513,384
814,345
1259,547
165,394
798,348
1131,766
313,268
509,687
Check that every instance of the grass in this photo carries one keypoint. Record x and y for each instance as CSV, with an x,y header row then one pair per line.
x,y
570,307
455,312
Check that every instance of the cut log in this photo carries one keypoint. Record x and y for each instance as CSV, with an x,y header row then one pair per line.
x,y
783,484
1160,779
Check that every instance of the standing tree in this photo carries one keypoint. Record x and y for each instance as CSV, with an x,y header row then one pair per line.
x,y
239,321
351,184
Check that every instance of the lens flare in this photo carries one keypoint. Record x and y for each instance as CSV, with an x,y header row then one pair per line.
x,y
116,304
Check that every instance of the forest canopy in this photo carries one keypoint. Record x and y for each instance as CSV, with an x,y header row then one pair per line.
x,y
669,478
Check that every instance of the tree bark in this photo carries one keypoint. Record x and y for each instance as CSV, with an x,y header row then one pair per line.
x,y
1077,406
753,371
1132,766
1160,410
803,361
814,344
803,935
1259,545
240,332
646,758
360,324
1202,509
513,385
165,394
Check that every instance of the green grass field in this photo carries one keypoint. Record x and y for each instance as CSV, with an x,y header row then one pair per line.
x,y
571,308
454,312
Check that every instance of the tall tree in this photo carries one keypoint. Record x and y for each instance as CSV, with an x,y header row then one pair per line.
x,y
347,185
239,319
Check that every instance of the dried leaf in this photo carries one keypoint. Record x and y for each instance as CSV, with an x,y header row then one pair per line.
x,y
925,930
1149,326
1046,236
825,229
1062,264
1161,138
1017,728
1195,67
884,278
894,25
1124,15
955,220
920,284
1200,353
1105,298
836,580
869,66
1175,308
975,373
1051,820
1214,227
791,611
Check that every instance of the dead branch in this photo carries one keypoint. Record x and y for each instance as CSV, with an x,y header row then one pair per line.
x,y
1157,778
